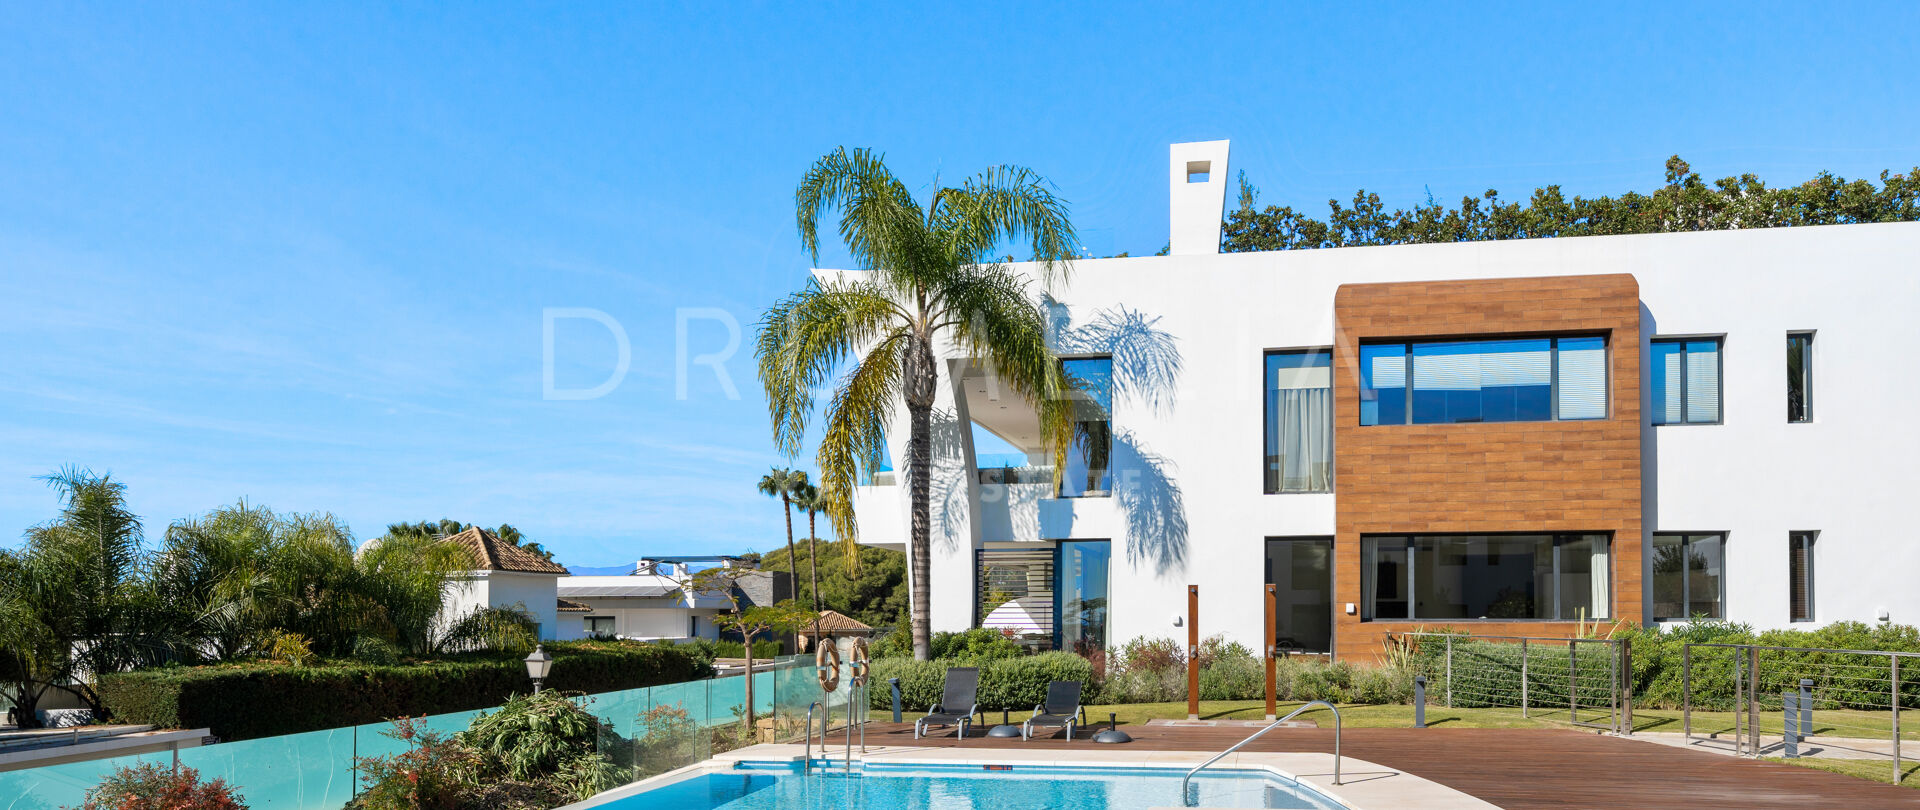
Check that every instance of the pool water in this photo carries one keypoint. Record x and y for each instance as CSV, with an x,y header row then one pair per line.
x,y
968,788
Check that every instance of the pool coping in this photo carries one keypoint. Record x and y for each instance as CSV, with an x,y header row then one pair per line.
x,y
1364,786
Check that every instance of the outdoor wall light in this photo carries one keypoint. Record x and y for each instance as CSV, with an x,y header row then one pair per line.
x,y
538,663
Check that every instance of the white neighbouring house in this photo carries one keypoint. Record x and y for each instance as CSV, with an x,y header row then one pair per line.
x,y
652,602
1500,436
508,577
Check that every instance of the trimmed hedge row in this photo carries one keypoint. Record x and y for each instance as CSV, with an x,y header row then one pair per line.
x,y
1005,683
263,700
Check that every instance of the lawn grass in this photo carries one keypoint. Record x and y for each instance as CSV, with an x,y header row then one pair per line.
x,y
1877,770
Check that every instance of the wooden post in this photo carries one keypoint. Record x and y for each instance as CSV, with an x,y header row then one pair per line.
x,y
1273,609
1193,652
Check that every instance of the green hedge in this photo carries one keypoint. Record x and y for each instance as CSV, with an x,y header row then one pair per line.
x,y
262,700
1005,683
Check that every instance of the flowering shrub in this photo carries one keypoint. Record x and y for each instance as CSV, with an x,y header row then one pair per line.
x,y
152,787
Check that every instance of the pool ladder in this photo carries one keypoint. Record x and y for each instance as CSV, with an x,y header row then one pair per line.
x,y
1188,802
826,719
806,763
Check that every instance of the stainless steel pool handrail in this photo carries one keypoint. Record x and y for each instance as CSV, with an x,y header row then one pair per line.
x,y
1187,802
807,762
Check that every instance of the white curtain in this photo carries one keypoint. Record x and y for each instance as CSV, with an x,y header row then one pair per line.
x,y
1602,597
1305,433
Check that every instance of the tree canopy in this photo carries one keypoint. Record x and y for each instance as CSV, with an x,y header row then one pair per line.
x,y
1685,203
872,589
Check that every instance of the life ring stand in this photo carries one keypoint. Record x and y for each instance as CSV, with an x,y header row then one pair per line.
x,y
826,664
861,668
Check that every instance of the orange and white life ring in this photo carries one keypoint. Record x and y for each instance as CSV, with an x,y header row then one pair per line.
x,y
861,668
826,664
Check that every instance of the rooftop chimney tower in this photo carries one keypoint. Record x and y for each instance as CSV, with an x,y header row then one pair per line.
x,y
1197,196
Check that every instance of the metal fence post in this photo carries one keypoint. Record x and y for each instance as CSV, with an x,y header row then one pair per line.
x,y
1740,709
1686,693
1524,702
1419,701
1790,730
1805,707
1626,686
895,683
1753,699
1449,672
1573,680
1895,679
1613,679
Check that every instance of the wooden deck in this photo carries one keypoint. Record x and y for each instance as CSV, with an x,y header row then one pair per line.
x,y
1513,768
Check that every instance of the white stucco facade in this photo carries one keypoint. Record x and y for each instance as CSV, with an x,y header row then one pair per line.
x,y
532,593
1189,331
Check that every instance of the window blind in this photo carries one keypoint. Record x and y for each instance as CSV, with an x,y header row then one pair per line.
x,y
1583,378
1703,381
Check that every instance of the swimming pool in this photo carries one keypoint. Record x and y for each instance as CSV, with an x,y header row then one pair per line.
x,y
781,786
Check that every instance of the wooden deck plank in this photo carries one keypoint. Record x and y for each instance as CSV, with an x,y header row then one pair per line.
x,y
1519,769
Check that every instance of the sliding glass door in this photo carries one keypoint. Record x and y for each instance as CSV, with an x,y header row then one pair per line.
x,y
1302,568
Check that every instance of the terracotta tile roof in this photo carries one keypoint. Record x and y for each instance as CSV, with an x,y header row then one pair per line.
x,y
495,554
836,622
570,606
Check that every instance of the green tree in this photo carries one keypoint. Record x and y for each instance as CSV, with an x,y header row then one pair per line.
x,y
782,483
931,275
1685,202
449,526
748,621
871,589
807,497
75,596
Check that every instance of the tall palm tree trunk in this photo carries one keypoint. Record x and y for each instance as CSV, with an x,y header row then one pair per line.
x,y
813,571
793,568
920,464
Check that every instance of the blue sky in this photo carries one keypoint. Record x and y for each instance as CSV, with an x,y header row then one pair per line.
x,y
300,254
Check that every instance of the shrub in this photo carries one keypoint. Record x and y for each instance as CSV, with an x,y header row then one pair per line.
x,y
1005,683
535,752
977,644
711,649
245,701
148,786
375,651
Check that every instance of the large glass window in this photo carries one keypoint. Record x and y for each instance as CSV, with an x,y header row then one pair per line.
x,y
1016,594
1083,595
1491,576
1686,381
1507,380
1089,454
1799,376
1300,421
1688,574
1800,575
1301,571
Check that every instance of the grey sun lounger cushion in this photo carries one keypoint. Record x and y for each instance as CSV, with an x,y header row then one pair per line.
x,y
957,705
1062,709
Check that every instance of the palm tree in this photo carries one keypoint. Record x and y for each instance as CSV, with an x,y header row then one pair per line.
x,y
807,497
782,483
931,276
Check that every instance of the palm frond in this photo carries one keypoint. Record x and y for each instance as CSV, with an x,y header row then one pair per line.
x,y
856,431
806,337
880,222
1001,203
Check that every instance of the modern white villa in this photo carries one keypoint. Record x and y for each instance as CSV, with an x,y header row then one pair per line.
x,y
1506,437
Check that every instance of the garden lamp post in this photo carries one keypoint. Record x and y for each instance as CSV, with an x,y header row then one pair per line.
x,y
538,663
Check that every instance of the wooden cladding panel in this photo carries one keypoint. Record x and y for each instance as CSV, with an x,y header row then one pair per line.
x,y
1571,476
